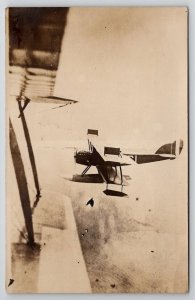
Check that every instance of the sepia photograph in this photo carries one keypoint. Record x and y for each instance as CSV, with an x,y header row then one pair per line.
x,y
97,150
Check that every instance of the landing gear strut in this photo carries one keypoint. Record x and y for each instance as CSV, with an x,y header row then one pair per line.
x,y
85,171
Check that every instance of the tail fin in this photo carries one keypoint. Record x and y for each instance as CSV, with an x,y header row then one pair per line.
x,y
174,148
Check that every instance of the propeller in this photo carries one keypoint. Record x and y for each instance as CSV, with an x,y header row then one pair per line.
x,y
75,155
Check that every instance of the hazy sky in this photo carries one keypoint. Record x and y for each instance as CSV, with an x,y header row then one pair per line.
x,y
127,67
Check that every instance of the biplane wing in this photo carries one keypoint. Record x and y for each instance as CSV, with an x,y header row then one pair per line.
x,y
33,58
35,38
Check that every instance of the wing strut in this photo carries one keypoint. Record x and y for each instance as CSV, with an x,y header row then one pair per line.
x,y
121,178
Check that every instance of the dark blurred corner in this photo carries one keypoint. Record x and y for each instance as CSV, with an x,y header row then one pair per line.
x,y
35,36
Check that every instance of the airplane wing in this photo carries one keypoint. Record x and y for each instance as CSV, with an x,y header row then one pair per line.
x,y
34,51
167,151
34,46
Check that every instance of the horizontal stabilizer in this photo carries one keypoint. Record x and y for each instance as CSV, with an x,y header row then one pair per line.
x,y
148,158
167,151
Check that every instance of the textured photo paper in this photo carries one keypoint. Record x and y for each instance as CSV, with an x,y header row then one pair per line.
x,y
97,150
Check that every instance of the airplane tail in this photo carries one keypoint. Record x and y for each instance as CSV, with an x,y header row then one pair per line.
x,y
174,148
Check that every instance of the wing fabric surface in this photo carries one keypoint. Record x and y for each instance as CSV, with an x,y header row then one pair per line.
x,y
34,50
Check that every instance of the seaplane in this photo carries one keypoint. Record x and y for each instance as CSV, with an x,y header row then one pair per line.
x,y
110,161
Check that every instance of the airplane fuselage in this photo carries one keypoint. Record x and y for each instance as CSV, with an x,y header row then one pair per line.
x,y
87,158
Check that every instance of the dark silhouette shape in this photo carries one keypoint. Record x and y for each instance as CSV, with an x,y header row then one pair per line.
x,y
113,285
22,183
30,149
38,196
27,32
11,281
90,202
26,102
87,178
115,193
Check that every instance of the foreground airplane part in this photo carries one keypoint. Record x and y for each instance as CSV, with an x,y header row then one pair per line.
x,y
33,65
109,163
